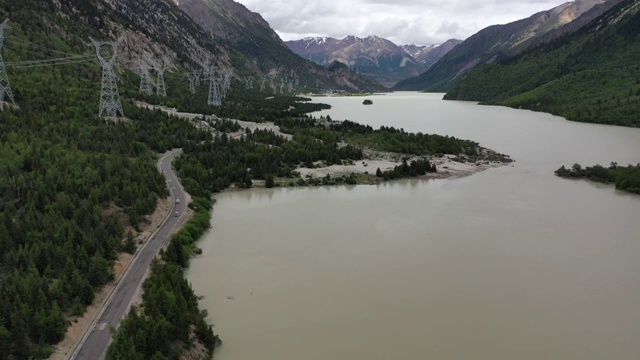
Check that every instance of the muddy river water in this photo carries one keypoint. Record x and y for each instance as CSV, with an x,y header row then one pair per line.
x,y
510,263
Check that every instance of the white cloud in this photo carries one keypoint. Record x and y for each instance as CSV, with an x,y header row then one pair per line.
x,y
401,21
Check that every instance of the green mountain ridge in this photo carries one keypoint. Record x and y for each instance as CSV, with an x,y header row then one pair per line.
x,y
496,43
591,75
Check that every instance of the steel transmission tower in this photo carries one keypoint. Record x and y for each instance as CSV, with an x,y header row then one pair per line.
x,y
263,84
224,82
197,74
227,79
109,96
145,80
161,90
214,89
5,87
192,75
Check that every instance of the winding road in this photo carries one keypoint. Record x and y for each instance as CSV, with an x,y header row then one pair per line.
x,y
94,344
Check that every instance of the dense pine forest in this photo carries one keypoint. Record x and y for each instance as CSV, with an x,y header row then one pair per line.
x,y
70,182
590,76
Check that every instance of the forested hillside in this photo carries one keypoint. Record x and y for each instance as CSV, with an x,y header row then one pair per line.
x,y
69,181
590,76
496,43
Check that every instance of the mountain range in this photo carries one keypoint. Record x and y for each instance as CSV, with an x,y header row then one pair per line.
x,y
179,34
373,56
499,42
258,49
590,75
428,55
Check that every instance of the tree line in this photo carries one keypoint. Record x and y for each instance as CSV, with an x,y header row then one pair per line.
x,y
625,178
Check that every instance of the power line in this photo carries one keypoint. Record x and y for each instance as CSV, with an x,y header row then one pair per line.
x,y
12,40
81,61
48,61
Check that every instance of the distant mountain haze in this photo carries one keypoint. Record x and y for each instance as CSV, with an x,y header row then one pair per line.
x,y
261,50
374,56
495,43
428,55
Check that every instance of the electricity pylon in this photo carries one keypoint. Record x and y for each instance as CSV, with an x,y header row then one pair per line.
x,y
197,74
214,98
161,90
191,75
5,87
145,80
109,96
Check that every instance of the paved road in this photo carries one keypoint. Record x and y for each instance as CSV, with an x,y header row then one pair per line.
x,y
94,345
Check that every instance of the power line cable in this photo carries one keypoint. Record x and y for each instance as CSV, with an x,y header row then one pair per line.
x,y
14,40
70,62
44,61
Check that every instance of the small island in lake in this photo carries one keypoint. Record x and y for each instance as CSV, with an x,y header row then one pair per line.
x,y
367,102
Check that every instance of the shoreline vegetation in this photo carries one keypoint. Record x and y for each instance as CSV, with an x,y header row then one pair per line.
x,y
624,178
283,147
169,314
308,151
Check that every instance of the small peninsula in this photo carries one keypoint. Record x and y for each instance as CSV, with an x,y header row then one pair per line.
x,y
625,178
294,148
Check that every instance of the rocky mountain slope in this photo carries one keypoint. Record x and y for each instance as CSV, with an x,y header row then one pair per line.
x,y
428,55
188,33
574,25
495,43
373,56
256,48
591,75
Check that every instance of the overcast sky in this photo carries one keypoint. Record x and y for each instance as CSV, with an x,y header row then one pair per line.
x,y
422,22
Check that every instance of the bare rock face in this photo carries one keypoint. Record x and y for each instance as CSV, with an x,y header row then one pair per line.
x,y
226,19
152,28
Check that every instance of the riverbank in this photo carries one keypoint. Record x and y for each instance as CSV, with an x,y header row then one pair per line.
x,y
448,166
515,249
625,178
167,299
